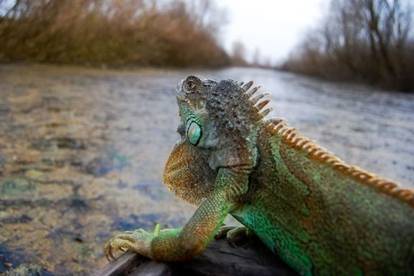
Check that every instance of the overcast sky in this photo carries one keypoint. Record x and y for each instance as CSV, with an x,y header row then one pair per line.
x,y
272,26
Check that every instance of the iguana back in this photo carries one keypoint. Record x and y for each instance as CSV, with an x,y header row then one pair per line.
x,y
323,216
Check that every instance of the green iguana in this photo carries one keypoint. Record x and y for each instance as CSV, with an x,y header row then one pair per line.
x,y
320,215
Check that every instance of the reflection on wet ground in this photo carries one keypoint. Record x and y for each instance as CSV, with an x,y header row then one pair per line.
x,y
82,151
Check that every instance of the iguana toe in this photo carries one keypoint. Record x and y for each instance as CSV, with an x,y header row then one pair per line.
x,y
136,241
222,232
238,235
235,235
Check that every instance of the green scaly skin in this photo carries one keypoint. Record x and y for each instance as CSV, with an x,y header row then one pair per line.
x,y
318,214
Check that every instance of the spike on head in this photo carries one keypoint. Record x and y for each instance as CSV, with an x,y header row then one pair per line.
x,y
247,86
262,104
251,92
265,112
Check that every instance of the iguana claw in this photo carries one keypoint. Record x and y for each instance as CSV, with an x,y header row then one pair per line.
x,y
234,234
138,241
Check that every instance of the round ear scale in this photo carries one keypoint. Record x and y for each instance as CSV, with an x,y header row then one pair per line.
x,y
194,132
192,84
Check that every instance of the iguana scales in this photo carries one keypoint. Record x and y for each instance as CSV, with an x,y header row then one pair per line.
x,y
320,215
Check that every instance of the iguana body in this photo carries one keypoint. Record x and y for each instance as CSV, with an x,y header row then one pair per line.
x,y
317,213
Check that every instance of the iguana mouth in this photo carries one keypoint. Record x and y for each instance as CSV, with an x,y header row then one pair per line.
x,y
187,170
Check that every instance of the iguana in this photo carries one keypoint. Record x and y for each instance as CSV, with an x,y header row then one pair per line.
x,y
320,215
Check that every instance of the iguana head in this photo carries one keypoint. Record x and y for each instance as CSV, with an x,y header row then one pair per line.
x,y
197,126
219,121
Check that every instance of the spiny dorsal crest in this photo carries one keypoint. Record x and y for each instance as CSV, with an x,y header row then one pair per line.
x,y
294,139
237,106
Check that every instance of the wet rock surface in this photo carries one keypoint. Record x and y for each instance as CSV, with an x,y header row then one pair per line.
x,y
82,151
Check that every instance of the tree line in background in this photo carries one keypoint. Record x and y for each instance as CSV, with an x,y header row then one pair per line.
x,y
112,32
365,40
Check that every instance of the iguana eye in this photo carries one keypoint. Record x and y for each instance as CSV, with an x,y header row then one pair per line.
x,y
193,133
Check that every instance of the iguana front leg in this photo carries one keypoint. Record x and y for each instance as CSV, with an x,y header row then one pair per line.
x,y
192,239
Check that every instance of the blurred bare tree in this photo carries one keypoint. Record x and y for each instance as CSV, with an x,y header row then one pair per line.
x,y
367,40
238,54
114,32
256,60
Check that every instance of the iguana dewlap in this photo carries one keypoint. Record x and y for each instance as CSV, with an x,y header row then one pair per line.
x,y
320,215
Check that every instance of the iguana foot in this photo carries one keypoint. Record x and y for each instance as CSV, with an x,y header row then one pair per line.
x,y
138,241
235,235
